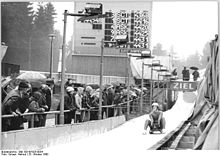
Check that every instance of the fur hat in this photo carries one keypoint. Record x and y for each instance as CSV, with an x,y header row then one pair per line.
x,y
37,95
23,84
69,89
89,89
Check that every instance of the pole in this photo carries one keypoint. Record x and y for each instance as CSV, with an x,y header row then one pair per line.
x,y
142,85
63,70
29,54
151,86
51,56
158,84
128,87
218,73
100,82
164,81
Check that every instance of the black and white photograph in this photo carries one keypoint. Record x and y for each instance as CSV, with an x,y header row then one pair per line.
x,y
109,77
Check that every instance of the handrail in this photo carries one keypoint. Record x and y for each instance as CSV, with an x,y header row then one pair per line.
x,y
118,109
83,109
57,112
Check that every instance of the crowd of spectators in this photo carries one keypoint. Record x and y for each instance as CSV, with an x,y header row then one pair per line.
x,y
77,100
23,99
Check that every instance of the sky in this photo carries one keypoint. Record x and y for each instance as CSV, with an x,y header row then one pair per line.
x,y
60,7
186,26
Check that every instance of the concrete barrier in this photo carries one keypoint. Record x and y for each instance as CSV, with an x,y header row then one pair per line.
x,y
38,138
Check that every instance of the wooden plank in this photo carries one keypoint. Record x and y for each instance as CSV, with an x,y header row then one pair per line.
x,y
179,137
160,143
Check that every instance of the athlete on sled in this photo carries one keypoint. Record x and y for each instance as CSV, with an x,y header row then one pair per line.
x,y
157,121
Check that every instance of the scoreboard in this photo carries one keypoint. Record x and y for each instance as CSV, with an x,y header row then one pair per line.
x,y
134,23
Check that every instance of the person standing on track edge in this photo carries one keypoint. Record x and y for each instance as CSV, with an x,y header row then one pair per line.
x,y
156,119
186,74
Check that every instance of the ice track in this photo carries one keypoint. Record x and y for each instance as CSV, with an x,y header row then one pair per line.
x,y
127,139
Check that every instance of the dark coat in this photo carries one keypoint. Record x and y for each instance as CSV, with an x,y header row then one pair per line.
x,y
69,104
34,107
12,103
46,98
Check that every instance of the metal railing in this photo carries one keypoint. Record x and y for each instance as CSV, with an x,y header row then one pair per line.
x,y
116,107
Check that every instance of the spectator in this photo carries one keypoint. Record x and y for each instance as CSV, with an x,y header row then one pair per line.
x,y
85,101
195,75
110,100
69,83
35,107
69,104
15,103
45,101
94,103
118,99
78,101
186,74
50,84
174,72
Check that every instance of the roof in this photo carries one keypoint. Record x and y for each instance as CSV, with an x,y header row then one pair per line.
x,y
136,66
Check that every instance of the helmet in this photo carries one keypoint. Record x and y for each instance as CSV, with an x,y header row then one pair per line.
x,y
155,104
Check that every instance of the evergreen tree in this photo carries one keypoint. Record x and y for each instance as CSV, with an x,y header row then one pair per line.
x,y
43,26
17,22
193,60
49,16
157,50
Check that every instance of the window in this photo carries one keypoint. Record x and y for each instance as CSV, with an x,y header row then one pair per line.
x,y
86,37
86,43
97,26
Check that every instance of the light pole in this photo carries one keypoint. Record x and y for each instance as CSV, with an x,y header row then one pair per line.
x,y
86,16
51,36
128,85
155,63
100,82
142,85
63,69
145,55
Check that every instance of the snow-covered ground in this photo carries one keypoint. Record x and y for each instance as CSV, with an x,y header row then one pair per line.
x,y
127,139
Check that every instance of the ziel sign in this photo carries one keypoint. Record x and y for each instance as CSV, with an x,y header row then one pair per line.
x,y
183,85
